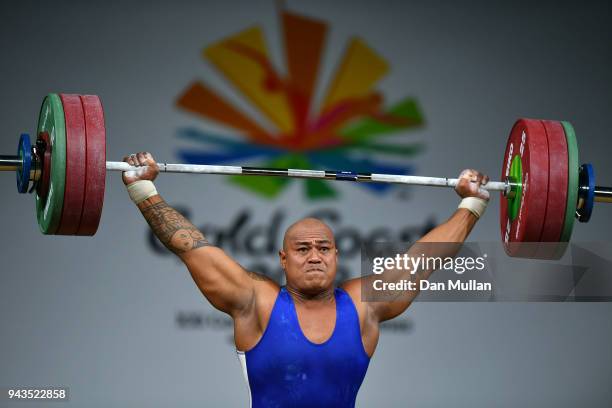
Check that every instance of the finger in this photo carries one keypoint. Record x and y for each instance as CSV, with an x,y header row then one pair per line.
x,y
483,193
150,160
130,173
464,180
476,176
129,159
466,188
140,160
470,175
465,174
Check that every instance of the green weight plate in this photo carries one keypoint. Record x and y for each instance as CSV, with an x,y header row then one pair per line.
x,y
572,181
51,120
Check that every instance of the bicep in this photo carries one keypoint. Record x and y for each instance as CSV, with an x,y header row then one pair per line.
x,y
224,282
379,306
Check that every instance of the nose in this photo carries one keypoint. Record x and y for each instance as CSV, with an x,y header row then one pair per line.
x,y
315,256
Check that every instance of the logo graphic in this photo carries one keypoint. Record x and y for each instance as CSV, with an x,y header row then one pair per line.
x,y
343,133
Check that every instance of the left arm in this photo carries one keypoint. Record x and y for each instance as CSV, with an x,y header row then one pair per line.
x,y
452,232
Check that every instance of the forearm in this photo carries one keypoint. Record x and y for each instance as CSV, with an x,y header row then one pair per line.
x,y
455,229
446,239
440,243
443,241
173,230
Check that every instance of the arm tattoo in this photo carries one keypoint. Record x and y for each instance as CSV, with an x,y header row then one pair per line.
x,y
172,229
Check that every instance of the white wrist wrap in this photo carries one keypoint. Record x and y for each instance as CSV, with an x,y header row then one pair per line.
x,y
475,205
141,190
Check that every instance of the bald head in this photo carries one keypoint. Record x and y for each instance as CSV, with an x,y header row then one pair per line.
x,y
306,227
309,256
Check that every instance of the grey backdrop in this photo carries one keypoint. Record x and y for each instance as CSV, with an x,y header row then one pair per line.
x,y
101,315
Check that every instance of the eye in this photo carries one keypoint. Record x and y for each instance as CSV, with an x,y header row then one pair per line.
x,y
324,250
302,250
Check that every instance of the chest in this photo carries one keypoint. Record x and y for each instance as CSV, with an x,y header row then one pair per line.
x,y
317,324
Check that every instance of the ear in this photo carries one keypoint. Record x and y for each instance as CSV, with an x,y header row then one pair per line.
x,y
282,256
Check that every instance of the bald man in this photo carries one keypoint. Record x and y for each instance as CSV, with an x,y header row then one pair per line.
x,y
306,344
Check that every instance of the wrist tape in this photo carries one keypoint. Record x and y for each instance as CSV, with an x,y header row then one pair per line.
x,y
141,190
475,205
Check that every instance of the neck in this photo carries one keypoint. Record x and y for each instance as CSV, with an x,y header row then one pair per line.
x,y
321,297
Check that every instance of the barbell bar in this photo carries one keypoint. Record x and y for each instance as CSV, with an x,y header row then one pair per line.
x,y
310,174
13,163
543,188
601,194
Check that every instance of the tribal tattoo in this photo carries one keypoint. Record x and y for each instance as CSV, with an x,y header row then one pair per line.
x,y
172,229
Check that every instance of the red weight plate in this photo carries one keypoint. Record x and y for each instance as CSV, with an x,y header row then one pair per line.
x,y
42,188
528,140
75,165
557,189
96,164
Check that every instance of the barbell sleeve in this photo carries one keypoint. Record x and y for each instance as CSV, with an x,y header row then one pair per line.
x,y
10,163
603,194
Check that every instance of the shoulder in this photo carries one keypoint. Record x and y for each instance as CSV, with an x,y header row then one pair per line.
x,y
251,323
265,291
353,288
368,321
265,288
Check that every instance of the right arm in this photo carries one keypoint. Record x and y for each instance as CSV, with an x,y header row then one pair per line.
x,y
225,283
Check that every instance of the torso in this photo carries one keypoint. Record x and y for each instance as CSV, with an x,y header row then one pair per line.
x,y
317,321
310,353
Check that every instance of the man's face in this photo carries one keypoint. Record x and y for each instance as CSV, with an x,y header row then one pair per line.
x,y
309,256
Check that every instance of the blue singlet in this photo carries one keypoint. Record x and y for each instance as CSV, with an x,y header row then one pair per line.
x,y
285,369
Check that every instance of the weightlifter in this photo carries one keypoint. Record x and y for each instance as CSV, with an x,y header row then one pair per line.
x,y
309,343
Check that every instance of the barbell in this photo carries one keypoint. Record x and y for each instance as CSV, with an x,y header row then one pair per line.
x,y
543,189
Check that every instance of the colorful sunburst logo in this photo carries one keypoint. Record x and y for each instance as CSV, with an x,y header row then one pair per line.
x,y
342,134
